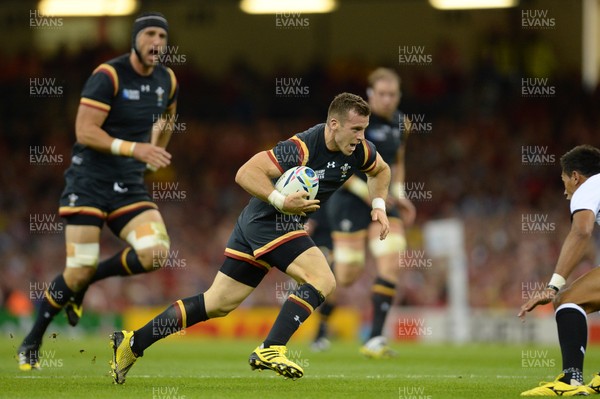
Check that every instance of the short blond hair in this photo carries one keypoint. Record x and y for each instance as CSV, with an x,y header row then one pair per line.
x,y
382,74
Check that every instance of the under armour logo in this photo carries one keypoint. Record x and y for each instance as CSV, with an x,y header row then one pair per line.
x,y
331,164
297,318
119,188
145,88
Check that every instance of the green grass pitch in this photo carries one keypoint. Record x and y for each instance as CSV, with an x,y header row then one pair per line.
x,y
187,367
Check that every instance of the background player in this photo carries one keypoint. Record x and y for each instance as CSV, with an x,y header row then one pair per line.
x,y
121,130
334,150
349,215
581,178
320,232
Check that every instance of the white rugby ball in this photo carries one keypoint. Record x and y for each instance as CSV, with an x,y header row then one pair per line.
x,y
298,178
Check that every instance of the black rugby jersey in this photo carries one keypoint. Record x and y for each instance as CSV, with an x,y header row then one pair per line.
x,y
133,103
332,167
387,136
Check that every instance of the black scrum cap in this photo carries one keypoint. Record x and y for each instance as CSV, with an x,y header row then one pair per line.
x,y
145,20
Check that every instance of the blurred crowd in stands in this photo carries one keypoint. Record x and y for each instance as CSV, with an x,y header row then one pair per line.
x,y
468,160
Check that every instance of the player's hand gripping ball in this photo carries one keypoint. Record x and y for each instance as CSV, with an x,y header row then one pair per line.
x,y
298,178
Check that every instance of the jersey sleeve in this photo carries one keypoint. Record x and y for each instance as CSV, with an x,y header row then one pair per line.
x,y
289,153
369,156
174,92
587,196
100,88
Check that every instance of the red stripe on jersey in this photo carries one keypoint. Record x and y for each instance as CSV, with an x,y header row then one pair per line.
x,y
279,241
88,102
368,154
111,73
370,168
271,155
301,151
173,82
244,259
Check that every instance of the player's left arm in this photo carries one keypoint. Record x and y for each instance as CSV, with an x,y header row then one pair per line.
x,y
162,129
397,188
378,181
256,175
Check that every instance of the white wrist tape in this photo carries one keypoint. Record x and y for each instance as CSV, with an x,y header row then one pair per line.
x,y
378,203
397,190
557,280
121,147
276,199
115,146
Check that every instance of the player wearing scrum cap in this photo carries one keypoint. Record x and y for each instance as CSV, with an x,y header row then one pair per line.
x,y
351,225
259,241
122,130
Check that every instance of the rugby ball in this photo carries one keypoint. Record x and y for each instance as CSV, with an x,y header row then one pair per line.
x,y
298,178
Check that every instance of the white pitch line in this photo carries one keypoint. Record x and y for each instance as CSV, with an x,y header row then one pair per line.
x,y
456,376
316,377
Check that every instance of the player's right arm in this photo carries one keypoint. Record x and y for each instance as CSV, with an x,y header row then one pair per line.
x,y
89,132
572,251
256,175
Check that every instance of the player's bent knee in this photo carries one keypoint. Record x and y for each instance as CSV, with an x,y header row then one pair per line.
x,y
82,260
82,255
395,243
153,258
151,244
326,284
347,274
569,295
345,279
330,289
222,310
350,256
